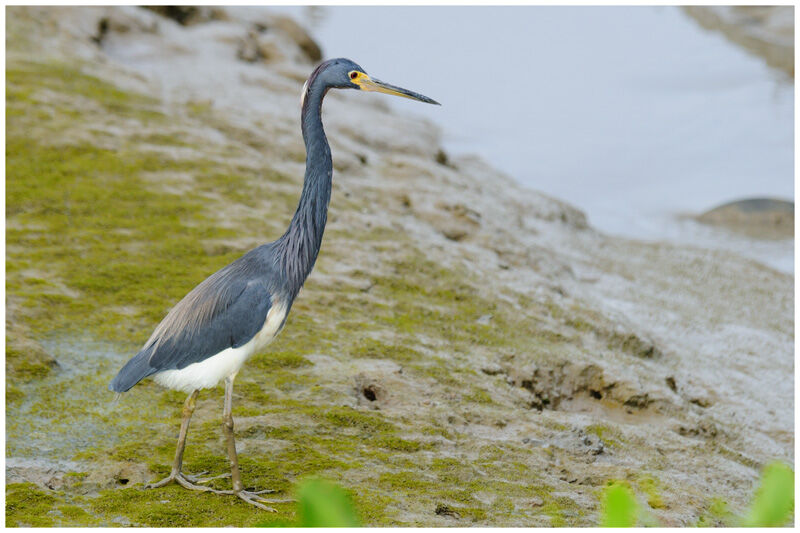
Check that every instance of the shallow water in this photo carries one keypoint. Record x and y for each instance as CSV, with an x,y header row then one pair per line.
x,y
71,410
634,114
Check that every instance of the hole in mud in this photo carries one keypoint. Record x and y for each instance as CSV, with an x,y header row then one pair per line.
x,y
445,510
102,30
595,394
180,14
123,481
369,393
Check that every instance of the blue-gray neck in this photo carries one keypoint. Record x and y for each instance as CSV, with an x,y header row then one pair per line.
x,y
299,246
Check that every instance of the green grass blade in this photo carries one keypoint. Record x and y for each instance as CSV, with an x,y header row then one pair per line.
x,y
323,504
619,507
774,499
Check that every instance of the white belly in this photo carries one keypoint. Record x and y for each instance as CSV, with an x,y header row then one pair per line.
x,y
207,373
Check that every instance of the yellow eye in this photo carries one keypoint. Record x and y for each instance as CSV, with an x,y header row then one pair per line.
x,y
353,75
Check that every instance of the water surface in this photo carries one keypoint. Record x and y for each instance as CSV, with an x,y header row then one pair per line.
x,y
634,114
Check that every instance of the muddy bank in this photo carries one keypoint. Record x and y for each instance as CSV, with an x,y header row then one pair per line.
x,y
463,343
766,31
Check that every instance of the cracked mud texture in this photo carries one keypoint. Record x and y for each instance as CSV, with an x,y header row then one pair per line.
x,y
466,352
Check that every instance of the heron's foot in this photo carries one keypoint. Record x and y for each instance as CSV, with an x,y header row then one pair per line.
x,y
253,498
166,481
184,482
188,481
193,482
265,491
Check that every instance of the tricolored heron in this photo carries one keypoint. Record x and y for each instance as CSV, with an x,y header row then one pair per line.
x,y
238,310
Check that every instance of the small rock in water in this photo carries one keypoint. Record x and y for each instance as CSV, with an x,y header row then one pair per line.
x,y
533,442
761,218
492,369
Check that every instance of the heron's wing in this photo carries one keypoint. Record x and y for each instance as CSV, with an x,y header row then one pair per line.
x,y
225,311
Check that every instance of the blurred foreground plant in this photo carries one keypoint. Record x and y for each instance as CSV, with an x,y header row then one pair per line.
x,y
321,504
772,504
774,500
324,504
619,507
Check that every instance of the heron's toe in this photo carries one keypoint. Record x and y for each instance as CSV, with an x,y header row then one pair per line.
x,y
201,480
166,481
265,491
194,478
184,482
252,499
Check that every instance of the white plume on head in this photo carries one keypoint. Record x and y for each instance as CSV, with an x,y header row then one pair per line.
x,y
303,93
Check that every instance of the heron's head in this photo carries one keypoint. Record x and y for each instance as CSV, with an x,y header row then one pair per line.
x,y
345,74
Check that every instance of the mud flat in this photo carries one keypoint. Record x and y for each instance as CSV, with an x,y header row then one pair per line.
x,y
463,344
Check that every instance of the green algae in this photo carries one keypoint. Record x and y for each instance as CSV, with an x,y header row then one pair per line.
x,y
375,349
118,267
24,365
280,359
716,513
75,514
60,78
173,505
351,418
119,236
651,487
399,445
28,506
55,196
479,395
13,394
610,436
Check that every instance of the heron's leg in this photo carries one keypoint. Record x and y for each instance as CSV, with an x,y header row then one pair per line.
x,y
227,428
236,478
176,474
188,410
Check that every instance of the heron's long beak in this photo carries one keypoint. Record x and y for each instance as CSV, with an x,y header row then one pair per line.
x,y
371,84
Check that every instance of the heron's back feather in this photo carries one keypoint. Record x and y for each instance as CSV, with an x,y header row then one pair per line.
x,y
225,311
